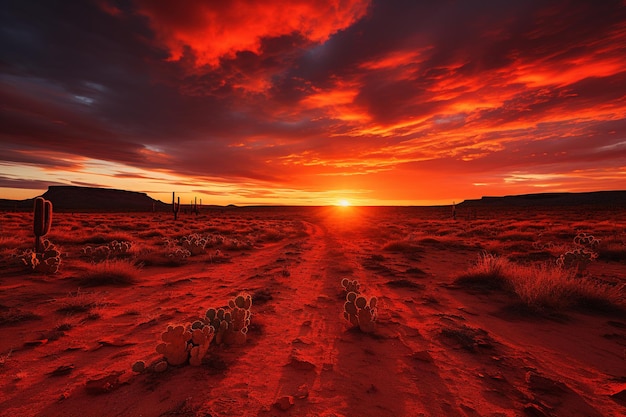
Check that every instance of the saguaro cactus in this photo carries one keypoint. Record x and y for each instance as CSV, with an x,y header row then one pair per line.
x,y
42,220
175,206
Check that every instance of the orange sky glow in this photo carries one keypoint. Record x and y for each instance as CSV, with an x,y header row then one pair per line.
x,y
351,102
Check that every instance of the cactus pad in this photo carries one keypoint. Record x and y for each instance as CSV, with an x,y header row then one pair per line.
x,y
175,347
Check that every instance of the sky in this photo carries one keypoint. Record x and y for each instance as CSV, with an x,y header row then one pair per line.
x,y
381,102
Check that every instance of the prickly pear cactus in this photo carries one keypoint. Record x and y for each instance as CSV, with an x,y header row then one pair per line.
x,y
110,250
351,286
578,258
586,240
239,319
582,256
194,243
360,312
175,346
201,337
48,261
231,326
179,255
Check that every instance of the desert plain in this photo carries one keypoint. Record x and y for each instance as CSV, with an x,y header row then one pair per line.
x,y
474,315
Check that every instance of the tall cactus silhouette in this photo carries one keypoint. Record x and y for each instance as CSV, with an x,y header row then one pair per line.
x,y
175,206
42,220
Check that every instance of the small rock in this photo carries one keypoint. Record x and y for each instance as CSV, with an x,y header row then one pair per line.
x,y
103,385
301,364
422,356
62,370
372,389
533,410
284,403
543,384
303,391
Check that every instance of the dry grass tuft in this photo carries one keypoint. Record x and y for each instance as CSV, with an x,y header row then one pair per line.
x,y
78,302
403,246
110,272
543,287
612,249
489,273
11,316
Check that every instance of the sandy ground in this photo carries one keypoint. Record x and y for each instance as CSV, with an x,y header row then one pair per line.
x,y
437,349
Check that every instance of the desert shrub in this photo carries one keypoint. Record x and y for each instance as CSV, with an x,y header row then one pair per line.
x,y
109,251
489,272
110,272
543,287
271,234
516,235
612,249
237,244
12,315
168,256
400,246
150,233
78,302
468,338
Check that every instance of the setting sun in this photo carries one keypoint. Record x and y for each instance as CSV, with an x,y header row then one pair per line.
x,y
343,203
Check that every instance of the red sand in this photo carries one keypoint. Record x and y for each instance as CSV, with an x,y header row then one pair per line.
x,y
437,350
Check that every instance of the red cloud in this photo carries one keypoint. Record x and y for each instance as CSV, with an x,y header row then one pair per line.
x,y
220,29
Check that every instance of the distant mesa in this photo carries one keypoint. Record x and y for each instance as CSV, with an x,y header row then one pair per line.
x,y
66,198
594,198
72,198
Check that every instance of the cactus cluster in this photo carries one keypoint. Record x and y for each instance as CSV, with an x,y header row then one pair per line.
x,y
194,243
112,249
582,255
47,261
45,257
586,240
231,325
197,244
351,286
175,346
579,258
178,255
181,344
360,311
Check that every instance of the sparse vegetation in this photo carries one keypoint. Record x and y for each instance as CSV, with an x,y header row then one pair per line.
x,y
12,315
360,311
544,286
400,246
293,268
110,272
190,343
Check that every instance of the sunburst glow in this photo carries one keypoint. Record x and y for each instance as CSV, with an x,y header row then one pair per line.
x,y
343,203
